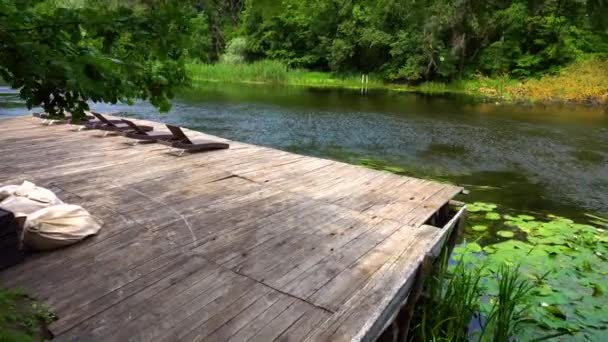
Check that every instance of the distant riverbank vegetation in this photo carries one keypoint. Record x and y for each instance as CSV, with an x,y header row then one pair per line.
x,y
549,50
584,81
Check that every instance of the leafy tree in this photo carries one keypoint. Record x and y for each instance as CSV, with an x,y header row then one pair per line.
x,y
201,42
420,40
62,55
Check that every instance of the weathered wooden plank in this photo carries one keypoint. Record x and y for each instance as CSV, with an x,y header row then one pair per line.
x,y
302,328
123,310
210,319
337,244
353,320
282,240
332,265
260,321
236,323
176,306
341,287
76,312
285,320
248,243
234,234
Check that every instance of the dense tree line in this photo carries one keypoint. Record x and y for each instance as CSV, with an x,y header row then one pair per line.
x,y
63,53
417,40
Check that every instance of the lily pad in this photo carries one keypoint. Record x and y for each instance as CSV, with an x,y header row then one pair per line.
x,y
481,206
567,261
554,310
479,228
505,234
519,218
493,216
544,290
598,290
473,247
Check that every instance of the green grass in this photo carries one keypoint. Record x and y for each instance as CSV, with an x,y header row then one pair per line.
x,y
21,318
584,81
258,72
451,300
274,72
456,294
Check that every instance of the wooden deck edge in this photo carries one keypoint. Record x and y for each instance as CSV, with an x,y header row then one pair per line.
x,y
402,300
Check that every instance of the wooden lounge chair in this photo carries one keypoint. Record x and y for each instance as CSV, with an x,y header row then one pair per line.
x,y
112,126
141,135
186,144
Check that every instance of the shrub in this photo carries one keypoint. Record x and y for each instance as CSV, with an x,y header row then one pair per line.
x,y
235,51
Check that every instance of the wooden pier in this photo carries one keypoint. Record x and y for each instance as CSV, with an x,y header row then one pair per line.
x,y
249,243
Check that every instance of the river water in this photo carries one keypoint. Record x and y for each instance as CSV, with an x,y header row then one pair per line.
x,y
532,158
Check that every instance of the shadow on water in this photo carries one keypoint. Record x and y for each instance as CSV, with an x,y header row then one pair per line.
x,y
536,158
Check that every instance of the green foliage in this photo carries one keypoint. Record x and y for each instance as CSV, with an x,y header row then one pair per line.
x,y
566,261
274,72
61,57
261,71
200,39
455,294
415,41
22,319
451,301
510,307
235,51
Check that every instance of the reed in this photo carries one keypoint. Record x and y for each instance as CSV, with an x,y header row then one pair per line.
x,y
453,298
510,306
265,71
274,72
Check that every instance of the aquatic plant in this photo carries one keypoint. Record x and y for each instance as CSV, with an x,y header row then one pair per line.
x,y
509,307
457,293
450,301
566,261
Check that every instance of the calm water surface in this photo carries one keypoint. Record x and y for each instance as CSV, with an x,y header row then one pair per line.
x,y
550,159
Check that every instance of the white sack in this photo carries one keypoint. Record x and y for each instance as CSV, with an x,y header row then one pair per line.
x,y
58,226
6,191
26,198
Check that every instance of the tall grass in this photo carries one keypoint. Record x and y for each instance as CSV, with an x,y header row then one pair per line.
x,y
453,297
509,308
258,72
450,302
274,72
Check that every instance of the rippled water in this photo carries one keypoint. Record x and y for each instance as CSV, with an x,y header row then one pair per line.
x,y
534,158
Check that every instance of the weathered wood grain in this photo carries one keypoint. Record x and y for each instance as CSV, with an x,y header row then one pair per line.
x,y
244,244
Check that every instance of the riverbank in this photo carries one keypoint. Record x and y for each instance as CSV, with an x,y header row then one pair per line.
x,y
582,82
